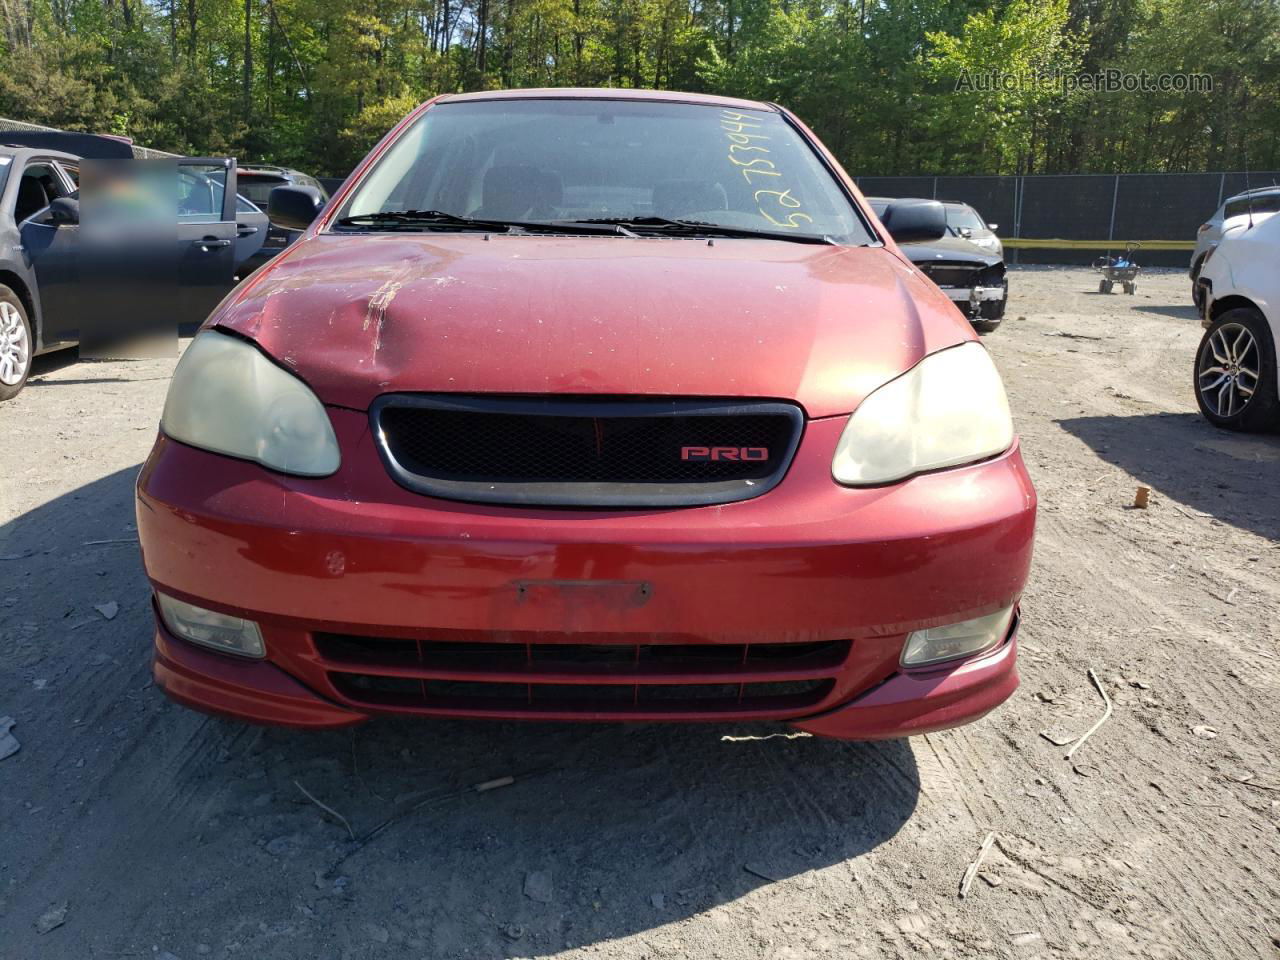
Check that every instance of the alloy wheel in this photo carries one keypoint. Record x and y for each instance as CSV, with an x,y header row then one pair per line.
x,y
1229,369
15,347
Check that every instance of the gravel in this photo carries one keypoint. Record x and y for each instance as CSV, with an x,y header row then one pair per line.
x,y
129,825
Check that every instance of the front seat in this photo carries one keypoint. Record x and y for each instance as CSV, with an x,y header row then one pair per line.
x,y
31,198
508,192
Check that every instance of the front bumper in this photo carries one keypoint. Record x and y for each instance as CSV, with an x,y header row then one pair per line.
x,y
810,562
979,300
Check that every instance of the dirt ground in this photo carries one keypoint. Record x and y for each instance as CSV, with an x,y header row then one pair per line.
x,y
151,831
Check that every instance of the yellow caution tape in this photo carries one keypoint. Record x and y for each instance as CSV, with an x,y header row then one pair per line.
x,y
1029,243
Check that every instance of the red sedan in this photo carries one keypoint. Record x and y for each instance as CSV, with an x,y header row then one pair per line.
x,y
590,405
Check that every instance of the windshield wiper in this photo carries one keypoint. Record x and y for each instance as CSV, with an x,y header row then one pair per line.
x,y
397,217
438,218
701,228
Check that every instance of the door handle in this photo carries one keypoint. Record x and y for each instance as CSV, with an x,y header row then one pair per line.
x,y
245,229
209,243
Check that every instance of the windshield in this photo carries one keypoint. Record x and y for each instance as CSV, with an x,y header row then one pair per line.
x,y
964,217
586,159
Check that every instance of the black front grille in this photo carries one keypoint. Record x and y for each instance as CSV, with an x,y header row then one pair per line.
x,y
952,274
585,452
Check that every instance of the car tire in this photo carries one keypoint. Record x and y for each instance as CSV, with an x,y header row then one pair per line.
x,y
1104,286
17,344
1197,293
1237,346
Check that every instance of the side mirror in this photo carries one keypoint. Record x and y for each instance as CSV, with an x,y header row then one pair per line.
x,y
64,211
993,227
294,208
912,221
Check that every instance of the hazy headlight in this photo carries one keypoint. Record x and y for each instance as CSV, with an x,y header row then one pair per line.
x,y
208,628
955,640
227,397
948,409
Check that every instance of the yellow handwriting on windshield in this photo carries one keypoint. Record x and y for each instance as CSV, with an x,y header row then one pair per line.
x,y
778,206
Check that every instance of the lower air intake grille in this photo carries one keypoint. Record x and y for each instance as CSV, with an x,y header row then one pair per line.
x,y
380,691
597,679
583,451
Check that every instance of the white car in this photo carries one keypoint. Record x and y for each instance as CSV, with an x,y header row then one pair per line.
x,y
1259,203
1239,285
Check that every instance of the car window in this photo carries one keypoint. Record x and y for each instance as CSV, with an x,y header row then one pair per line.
x,y
5,164
1259,203
258,188
576,159
244,206
40,185
959,217
305,181
200,192
72,170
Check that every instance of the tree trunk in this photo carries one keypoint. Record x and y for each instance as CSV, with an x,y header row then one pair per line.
x,y
577,42
191,32
508,44
482,36
248,61
271,71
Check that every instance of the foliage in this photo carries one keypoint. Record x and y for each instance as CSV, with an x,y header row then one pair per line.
x,y
314,83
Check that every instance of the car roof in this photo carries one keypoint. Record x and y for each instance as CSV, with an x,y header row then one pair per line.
x,y
266,169
24,153
609,93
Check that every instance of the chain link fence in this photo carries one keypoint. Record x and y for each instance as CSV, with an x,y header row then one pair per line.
x,y
1089,214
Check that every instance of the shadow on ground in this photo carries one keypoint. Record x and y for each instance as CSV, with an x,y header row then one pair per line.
x,y
1185,311
178,831
1230,476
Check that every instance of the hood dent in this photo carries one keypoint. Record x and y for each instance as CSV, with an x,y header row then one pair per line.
x,y
357,316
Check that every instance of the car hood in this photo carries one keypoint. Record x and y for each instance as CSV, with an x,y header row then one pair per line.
x,y
954,249
360,315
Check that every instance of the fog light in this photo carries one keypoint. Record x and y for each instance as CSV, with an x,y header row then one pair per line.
x,y
955,640
209,629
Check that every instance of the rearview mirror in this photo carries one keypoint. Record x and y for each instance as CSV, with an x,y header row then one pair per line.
x,y
63,211
294,208
912,221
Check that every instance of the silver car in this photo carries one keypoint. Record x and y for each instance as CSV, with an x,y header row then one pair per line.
x,y
1260,202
